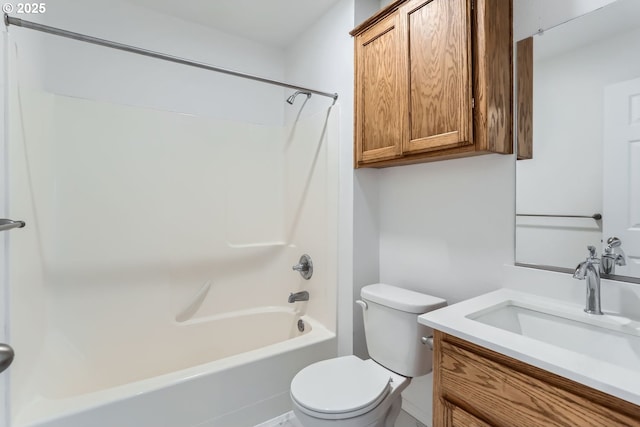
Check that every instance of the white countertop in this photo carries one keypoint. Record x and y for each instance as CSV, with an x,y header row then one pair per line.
x,y
622,382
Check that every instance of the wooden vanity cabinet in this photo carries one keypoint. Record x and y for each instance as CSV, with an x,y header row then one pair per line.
x,y
433,80
474,386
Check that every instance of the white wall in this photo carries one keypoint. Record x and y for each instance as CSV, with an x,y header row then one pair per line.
x,y
446,228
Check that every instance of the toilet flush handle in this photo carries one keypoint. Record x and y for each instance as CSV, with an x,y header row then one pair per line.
x,y
428,341
362,304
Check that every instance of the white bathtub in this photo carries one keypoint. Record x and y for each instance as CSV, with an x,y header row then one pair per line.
x,y
224,371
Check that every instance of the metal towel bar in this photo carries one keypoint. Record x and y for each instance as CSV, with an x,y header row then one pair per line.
x,y
595,216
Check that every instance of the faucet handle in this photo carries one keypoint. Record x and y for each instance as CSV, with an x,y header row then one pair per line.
x,y
592,251
613,255
614,249
613,242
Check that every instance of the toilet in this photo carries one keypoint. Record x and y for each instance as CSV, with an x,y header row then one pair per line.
x,y
351,392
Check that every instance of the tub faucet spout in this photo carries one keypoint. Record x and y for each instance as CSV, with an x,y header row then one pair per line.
x,y
299,296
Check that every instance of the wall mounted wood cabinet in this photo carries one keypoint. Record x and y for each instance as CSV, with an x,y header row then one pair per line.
x,y
433,80
477,387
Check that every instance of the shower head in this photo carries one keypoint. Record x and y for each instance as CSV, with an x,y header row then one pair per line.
x,y
296,93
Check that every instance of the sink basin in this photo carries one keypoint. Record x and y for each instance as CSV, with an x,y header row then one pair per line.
x,y
600,341
600,351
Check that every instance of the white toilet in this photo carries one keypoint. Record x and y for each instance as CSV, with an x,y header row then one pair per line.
x,y
351,392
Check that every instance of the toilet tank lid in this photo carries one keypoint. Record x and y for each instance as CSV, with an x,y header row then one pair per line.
x,y
401,299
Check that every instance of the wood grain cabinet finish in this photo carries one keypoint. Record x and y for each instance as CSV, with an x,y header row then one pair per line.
x,y
440,98
380,71
474,386
524,98
427,87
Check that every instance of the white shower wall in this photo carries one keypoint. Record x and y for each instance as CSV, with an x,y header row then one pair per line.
x,y
79,69
131,211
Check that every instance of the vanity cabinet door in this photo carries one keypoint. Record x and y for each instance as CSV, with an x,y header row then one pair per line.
x,y
446,414
504,392
380,91
461,418
439,56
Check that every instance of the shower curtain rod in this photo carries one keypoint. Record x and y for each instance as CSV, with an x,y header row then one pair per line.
x,y
8,20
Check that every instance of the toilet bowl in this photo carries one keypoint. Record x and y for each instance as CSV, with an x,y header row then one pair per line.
x,y
351,392
348,392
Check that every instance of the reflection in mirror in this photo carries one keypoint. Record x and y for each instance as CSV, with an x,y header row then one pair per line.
x,y
582,185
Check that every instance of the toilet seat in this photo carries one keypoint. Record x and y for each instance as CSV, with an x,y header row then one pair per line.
x,y
340,388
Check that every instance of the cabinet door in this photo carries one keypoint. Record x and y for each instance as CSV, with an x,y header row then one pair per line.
x,y
439,54
509,396
461,418
447,414
380,110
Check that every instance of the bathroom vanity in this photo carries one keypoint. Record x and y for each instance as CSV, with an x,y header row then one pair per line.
x,y
509,358
478,387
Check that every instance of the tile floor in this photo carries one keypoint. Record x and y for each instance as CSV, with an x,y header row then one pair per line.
x,y
289,420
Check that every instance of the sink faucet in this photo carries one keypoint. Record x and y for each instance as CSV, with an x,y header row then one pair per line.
x,y
590,270
299,296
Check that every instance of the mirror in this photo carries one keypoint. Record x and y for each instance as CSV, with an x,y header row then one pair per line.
x,y
581,185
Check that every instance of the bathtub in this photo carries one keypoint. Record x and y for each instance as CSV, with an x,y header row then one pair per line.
x,y
226,370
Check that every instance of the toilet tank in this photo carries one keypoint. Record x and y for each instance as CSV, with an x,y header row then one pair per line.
x,y
392,330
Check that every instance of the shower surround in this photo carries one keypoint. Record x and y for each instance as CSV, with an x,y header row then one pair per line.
x,y
147,231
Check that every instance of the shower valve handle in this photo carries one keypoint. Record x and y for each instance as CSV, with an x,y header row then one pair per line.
x,y
304,267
